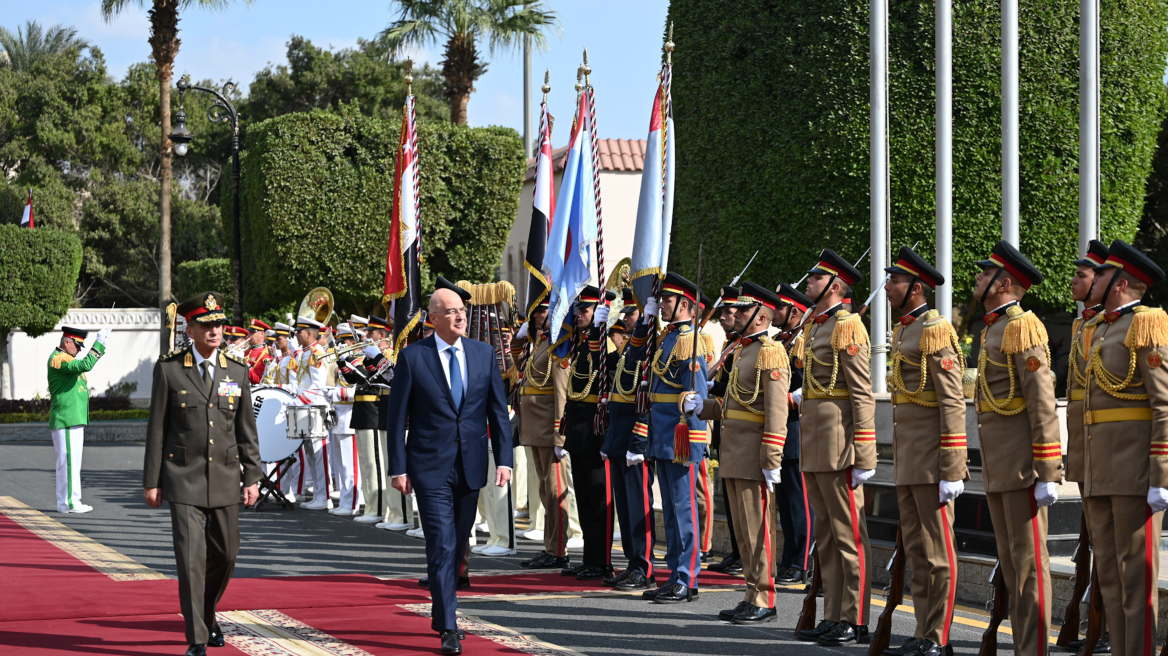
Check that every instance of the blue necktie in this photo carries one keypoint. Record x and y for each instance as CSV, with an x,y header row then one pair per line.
x,y
455,378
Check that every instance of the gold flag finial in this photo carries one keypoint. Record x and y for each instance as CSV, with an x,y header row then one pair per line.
x,y
579,79
409,78
669,45
586,68
547,79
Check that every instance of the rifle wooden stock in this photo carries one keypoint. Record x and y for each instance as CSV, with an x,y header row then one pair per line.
x,y
1070,629
807,615
989,639
1095,618
883,634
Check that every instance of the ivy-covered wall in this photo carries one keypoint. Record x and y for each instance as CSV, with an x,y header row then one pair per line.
x,y
771,104
316,200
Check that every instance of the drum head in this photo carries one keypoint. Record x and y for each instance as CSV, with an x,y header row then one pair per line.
x,y
270,423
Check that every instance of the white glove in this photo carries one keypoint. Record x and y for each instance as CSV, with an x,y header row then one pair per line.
x,y
692,403
1158,498
950,490
797,397
522,332
370,351
773,477
600,317
603,456
560,453
632,459
1045,493
861,475
650,308
103,335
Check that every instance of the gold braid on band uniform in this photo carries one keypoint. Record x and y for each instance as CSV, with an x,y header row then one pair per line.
x,y
734,390
621,371
898,380
1077,350
660,371
983,358
529,371
1111,383
591,376
808,372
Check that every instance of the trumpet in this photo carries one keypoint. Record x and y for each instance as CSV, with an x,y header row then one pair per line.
x,y
337,353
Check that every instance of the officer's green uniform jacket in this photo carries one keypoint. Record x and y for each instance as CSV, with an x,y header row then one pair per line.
x,y
197,442
67,387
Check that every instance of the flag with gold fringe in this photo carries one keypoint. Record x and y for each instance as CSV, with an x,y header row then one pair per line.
x,y
403,288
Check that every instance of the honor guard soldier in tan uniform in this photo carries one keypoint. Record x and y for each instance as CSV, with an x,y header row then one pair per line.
x,y
754,430
928,439
1020,449
1125,414
732,563
1085,291
541,403
201,445
838,450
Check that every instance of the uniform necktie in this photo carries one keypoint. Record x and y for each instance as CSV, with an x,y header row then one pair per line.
x,y
455,377
208,377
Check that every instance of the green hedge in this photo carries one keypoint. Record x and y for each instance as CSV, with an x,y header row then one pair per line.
x,y
777,151
317,192
96,415
40,271
210,274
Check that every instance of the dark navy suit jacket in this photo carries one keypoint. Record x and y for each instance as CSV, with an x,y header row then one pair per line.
x,y
420,399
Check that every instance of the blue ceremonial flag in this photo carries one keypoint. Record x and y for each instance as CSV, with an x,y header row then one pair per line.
x,y
650,257
567,262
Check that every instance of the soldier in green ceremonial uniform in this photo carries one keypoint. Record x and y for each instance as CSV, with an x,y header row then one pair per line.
x,y
69,411
201,444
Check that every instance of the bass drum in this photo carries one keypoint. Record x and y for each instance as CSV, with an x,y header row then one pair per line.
x,y
269,403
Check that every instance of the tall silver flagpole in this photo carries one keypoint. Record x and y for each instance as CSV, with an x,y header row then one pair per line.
x,y
944,119
878,203
1088,123
1010,169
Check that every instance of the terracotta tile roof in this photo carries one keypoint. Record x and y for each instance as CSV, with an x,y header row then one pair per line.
x,y
615,155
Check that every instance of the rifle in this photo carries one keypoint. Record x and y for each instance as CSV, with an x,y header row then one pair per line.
x,y
733,283
1096,620
806,619
895,567
1070,629
1001,604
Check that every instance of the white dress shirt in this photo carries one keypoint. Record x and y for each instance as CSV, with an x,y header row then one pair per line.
x,y
444,357
199,360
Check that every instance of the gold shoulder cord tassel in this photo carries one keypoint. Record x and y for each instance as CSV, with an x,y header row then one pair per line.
x,y
1149,328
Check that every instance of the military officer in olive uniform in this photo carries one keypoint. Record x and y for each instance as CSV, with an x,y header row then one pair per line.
x,y
928,438
201,445
838,419
1020,442
1125,417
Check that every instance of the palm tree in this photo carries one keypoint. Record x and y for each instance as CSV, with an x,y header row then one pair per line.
x,y
165,42
23,49
502,23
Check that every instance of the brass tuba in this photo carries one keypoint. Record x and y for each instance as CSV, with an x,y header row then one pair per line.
x,y
317,304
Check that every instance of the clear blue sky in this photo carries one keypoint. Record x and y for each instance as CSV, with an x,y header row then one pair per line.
x,y
623,39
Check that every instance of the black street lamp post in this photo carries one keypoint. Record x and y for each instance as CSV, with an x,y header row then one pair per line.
x,y
222,110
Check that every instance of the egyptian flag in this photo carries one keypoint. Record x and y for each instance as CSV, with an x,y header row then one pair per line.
x,y
543,208
403,288
26,218
650,257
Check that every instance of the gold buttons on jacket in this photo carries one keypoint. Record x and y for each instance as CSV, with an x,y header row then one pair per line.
x,y
211,441
211,422
210,405
210,460
183,405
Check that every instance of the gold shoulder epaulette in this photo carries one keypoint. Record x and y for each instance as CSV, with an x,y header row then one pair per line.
x,y
772,355
683,348
797,347
235,357
1149,327
167,357
59,359
849,330
708,347
1024,332
938,334
1075,325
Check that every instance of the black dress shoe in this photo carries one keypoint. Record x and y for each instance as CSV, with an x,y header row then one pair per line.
x,y
812,635
705,555
613,580
450,642
1104,644
197,650
216,638
433,625
756,615
844,634
573,571
548,561
527,562
909,647
734,568
721,565
790,576
636,581
675,594
930,648
727,615
463,583
594,573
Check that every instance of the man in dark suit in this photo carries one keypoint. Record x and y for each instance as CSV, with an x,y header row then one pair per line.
x,y
448,391
201,443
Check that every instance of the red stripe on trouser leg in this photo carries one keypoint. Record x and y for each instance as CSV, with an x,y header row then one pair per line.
x,y
608,511
859,545
562,527
694,568
1150,534
648,518
951,555
807,512
766,543
356,474
708,525
1042,629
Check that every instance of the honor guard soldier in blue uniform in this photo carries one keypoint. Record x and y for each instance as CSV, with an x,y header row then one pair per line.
x,y
675,443
632,478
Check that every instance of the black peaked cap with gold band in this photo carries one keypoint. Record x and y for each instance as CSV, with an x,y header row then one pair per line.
x,y
1096,254
788,295
378,323
1012,261
755,294
729,296
76,334
627,299
305,323
910,262
204,307
1123,255
590,296
675,285
443,283
832,264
